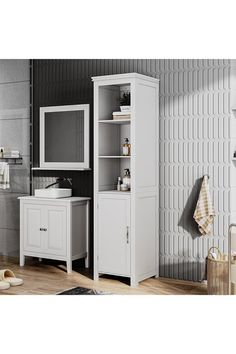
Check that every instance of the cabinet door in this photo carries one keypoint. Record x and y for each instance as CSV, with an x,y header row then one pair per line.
x,y
33,238
56,230
114,235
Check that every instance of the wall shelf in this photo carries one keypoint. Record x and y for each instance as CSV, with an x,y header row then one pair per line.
x,y
114,157
114,191
59,169
116,122
12,160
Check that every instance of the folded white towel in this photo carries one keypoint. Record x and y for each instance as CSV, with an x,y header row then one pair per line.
x,y
15,153
4,176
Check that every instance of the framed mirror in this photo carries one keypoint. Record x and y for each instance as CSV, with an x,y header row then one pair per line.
x,y
64,137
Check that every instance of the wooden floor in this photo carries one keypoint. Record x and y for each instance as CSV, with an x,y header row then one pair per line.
x,y
43,278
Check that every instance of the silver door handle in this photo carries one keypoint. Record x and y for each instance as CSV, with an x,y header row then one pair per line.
x,y
127,234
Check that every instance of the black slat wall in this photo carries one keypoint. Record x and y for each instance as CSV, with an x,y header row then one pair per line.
x,y
67,81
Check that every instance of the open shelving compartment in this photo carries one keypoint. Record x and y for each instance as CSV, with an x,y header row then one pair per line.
x,y
111,135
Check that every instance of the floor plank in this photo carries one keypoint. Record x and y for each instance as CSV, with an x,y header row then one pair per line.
x,y
43,278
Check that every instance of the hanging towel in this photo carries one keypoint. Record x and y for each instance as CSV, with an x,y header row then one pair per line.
x,y
4,175
204,212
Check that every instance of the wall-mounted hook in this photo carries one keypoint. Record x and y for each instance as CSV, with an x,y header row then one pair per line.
x,y
207,176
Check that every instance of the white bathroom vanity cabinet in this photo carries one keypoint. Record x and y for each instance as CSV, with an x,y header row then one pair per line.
x,y
54,229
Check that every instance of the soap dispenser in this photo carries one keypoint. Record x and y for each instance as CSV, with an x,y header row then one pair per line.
x,y
126,148
127,178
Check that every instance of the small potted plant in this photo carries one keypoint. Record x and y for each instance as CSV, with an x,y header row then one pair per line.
x,y
125,102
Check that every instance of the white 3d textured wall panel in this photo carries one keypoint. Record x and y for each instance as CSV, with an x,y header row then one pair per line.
x,y
194,140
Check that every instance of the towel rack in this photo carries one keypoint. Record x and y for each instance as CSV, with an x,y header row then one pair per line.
x,y
12,160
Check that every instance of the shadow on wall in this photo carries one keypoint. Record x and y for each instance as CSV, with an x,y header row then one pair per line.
x,y
187,78
186,220
183,269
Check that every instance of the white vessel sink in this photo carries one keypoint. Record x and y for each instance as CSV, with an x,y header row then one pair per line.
x,y
53,193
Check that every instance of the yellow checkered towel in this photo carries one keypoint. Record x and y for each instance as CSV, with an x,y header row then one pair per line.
x,y
204,212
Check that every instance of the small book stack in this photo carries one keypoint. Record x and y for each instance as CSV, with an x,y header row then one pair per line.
x,y
15,154
121,115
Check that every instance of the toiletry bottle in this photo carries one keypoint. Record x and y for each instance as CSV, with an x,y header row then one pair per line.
x,y
118,184
126,178
1,153
126,148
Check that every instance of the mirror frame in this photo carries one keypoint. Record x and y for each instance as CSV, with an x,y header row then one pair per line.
x,y
64,165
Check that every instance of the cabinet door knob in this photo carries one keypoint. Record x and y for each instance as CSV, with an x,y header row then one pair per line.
x,y
127,234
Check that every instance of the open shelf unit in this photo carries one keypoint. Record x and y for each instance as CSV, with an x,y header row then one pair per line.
x,y
126,223
111,137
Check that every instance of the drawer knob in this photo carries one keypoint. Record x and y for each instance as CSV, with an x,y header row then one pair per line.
x,y
42,229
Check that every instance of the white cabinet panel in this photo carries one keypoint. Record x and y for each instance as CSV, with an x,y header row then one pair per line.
x,y
145,239
56,230
32,224
146,132
114,235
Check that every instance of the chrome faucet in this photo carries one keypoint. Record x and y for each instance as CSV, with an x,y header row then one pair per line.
x,y
59,180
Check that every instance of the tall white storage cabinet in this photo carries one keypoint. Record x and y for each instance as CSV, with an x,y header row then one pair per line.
x,y
126,223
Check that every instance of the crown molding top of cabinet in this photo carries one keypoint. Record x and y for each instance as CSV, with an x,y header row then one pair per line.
x,y
125,76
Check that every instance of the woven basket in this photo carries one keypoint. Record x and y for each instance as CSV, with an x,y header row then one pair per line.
x,y
217,273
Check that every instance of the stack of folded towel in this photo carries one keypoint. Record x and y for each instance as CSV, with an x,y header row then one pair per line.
x,y
15,154
4,176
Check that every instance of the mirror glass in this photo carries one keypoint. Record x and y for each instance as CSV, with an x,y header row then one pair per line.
x,y
64,136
